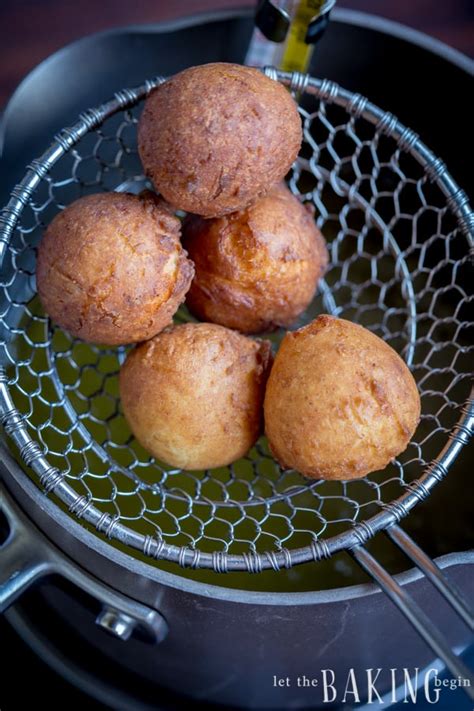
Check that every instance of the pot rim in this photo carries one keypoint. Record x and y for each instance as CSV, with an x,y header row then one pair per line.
x,y
60,523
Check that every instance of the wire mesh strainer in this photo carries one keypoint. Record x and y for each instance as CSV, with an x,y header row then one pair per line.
x,y
399,232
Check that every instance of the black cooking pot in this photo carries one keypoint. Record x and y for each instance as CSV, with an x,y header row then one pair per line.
x,y
200,636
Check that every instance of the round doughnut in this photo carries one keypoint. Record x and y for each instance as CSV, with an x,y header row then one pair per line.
x,y
215,137
340,402
258,268
111,269
193,395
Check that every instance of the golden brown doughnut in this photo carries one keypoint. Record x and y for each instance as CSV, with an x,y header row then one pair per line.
x,y
193,395
340,402
215,137
111,268
258,268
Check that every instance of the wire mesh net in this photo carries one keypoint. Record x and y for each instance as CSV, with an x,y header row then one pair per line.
x,y
399,265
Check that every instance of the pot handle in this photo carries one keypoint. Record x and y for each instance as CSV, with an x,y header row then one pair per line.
x,y
22,558
411,610
26,556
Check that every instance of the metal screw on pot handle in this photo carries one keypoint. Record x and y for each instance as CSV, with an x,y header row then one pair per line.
x,y
26,556
116,623
411,610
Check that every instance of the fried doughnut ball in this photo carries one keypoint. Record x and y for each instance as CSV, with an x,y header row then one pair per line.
x,y
111,269
215,137
255,269
340,402
193,395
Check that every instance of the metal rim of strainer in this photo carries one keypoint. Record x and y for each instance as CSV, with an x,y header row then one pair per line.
x,y
51,479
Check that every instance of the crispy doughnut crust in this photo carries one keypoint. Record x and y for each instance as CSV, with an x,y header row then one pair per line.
x,y
215,137
340,402
111,269
193,395
255,269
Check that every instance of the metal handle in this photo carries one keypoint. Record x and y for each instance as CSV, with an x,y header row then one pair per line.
x,y
412,611
26,556
23,558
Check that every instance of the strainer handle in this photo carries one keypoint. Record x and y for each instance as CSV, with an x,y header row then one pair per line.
x,y
411,610
433,572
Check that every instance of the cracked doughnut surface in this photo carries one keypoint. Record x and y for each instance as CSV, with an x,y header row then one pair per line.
x,y
258,268
193,394
215,137
340,403
111,269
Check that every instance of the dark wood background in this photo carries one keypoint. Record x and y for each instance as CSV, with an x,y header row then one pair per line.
x,y
30,30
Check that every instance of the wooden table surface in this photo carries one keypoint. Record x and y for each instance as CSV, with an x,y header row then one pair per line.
x,y
30,30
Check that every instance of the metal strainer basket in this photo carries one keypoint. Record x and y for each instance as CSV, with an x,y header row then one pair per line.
x,y
399,231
